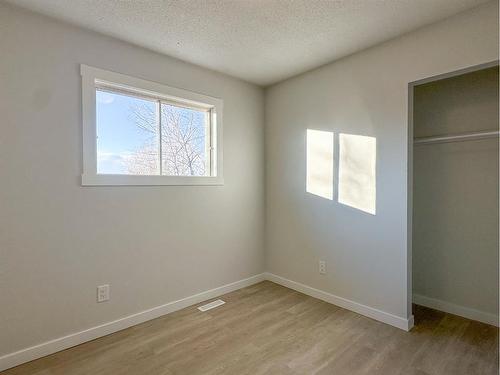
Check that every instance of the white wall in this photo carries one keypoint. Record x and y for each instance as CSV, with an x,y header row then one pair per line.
x,y
59,240
455,200
363,94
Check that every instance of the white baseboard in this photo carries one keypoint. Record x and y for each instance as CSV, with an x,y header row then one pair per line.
x,y
382,316
451,308
56,345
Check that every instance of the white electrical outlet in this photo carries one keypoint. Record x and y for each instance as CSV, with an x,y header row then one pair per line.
x,y
322,267
103,293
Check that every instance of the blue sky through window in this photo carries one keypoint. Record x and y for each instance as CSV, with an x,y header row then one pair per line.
x,y
118,136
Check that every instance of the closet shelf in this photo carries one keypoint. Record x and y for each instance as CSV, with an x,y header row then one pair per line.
x,y
456,137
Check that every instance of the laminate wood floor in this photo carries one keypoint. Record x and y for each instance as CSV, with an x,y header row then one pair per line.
x,y
270,329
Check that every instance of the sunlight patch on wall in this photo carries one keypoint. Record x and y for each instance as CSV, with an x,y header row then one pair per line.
x,y
319,180
357,172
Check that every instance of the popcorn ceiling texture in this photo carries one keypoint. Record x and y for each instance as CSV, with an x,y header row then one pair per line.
x,y
260,41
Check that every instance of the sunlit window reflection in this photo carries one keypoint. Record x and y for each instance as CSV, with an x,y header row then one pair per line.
x,y
357,171
319,151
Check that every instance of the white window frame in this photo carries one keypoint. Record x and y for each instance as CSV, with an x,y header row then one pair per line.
x,y
93,78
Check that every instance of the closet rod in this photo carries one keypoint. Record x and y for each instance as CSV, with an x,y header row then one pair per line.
x,y
456,138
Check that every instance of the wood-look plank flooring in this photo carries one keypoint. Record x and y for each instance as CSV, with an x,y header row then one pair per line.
x,y
270,329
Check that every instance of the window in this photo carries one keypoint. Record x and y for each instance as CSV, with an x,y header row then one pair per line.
x,y
138,132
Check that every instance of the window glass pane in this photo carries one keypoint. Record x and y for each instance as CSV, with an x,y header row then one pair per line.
x,y
185,141
357,171
127,135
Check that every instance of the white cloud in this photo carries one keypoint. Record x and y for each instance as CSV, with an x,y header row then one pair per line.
x,y
104,97
112,163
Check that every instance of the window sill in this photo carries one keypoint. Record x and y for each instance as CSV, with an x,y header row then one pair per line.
x,y
127,180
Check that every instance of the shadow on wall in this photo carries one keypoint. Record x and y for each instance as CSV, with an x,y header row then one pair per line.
x,y
356,166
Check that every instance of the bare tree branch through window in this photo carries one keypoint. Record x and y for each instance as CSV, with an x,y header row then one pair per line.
x,y
183,141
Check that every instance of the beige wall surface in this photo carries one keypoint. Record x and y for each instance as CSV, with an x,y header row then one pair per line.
x,y
364,94
455,200
153,245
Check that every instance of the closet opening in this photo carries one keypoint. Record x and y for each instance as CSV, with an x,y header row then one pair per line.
x,y
453,200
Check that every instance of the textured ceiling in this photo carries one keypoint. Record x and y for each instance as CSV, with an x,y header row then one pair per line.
x,y
261,41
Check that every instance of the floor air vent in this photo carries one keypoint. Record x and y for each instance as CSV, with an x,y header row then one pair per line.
x,y
211,305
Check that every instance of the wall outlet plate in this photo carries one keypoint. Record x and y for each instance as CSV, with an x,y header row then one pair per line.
x,y
103,293
322,267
